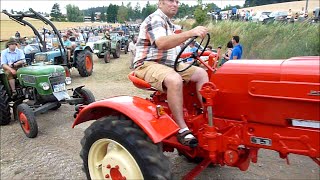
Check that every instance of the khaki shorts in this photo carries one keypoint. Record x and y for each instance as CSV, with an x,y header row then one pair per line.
x,y
155,73
10,75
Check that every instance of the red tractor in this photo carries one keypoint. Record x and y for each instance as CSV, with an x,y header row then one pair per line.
x,y
247,105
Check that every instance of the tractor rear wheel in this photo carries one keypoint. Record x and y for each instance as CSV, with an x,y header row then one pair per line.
x,y
116,148
27,120
86,94
85,63
107,57
118,50
5,115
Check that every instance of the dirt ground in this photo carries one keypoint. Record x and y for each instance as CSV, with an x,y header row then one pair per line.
x,y
54,154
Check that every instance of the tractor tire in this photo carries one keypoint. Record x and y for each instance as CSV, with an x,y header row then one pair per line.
x,y
115,147
5,115
85,63
118,50
86,94
27,120
107,57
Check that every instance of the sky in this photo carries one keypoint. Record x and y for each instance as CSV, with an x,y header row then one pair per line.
x,y
46,6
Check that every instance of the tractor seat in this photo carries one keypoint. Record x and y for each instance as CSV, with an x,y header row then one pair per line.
x,y
140,83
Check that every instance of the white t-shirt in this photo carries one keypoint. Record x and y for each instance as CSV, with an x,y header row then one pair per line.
x,y
132,47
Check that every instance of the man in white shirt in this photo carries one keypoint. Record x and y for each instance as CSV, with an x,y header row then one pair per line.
x,y
132,50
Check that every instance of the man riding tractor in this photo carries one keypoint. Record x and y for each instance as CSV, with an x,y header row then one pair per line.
x,y
12,59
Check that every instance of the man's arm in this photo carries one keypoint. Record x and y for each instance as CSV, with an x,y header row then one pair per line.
x,y
171,41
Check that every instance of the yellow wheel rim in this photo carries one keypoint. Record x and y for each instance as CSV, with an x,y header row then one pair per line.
x,y
108,159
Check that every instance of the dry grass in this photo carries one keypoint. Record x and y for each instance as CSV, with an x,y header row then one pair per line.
x,y
295,6
8,27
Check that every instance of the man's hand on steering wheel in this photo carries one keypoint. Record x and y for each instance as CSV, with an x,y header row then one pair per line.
x,y
195,54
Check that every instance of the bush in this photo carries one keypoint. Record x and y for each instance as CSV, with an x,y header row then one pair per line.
x,y
272,41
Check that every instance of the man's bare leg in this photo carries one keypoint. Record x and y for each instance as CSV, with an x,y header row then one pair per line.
x,y
12,83
200,76
174,84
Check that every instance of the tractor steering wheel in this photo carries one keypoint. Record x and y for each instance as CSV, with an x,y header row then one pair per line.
x,y
194,55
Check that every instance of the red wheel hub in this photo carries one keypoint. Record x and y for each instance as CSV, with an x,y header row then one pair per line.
x,y
24,122
88,63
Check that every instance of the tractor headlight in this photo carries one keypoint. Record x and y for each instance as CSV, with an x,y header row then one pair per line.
x,y
45,86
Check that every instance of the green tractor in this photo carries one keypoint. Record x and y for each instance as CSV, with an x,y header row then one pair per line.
x,y
56,53
39,88
104,47
120,37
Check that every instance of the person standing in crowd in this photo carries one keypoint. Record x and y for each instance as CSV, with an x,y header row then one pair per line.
x,y
289,16
132,50
17,35
237,48
12,59
226,56
155,56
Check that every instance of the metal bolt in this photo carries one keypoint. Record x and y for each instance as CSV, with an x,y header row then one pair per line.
x,y
108,166
117,167
107,176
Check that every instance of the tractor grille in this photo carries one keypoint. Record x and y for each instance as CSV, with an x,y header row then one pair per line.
x,y
57,80
96,46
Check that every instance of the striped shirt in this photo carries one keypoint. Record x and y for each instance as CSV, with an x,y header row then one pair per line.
x,y
153,27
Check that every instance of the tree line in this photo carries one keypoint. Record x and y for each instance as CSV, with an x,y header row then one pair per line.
x,y
126,12
115,13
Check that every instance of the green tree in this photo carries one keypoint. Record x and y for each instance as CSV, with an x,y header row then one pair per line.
x,y
122,14
55,12
200,15
112,13
130,13
149,9
92,17
137,12
74,14
103,17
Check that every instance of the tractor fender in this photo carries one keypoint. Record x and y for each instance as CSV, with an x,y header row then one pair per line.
x,y
141,111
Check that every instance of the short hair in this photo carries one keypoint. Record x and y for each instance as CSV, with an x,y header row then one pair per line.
x,y
229,44
236,38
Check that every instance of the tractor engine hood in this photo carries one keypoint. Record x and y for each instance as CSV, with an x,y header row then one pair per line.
x,y
41,70
276,90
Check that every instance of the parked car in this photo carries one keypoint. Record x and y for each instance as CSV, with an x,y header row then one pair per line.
x,y
280,16
260,16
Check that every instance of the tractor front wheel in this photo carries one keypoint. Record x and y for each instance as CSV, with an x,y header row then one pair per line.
x,y
86,94
116,148
118,50
85,63
27,120
107,57
5,115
